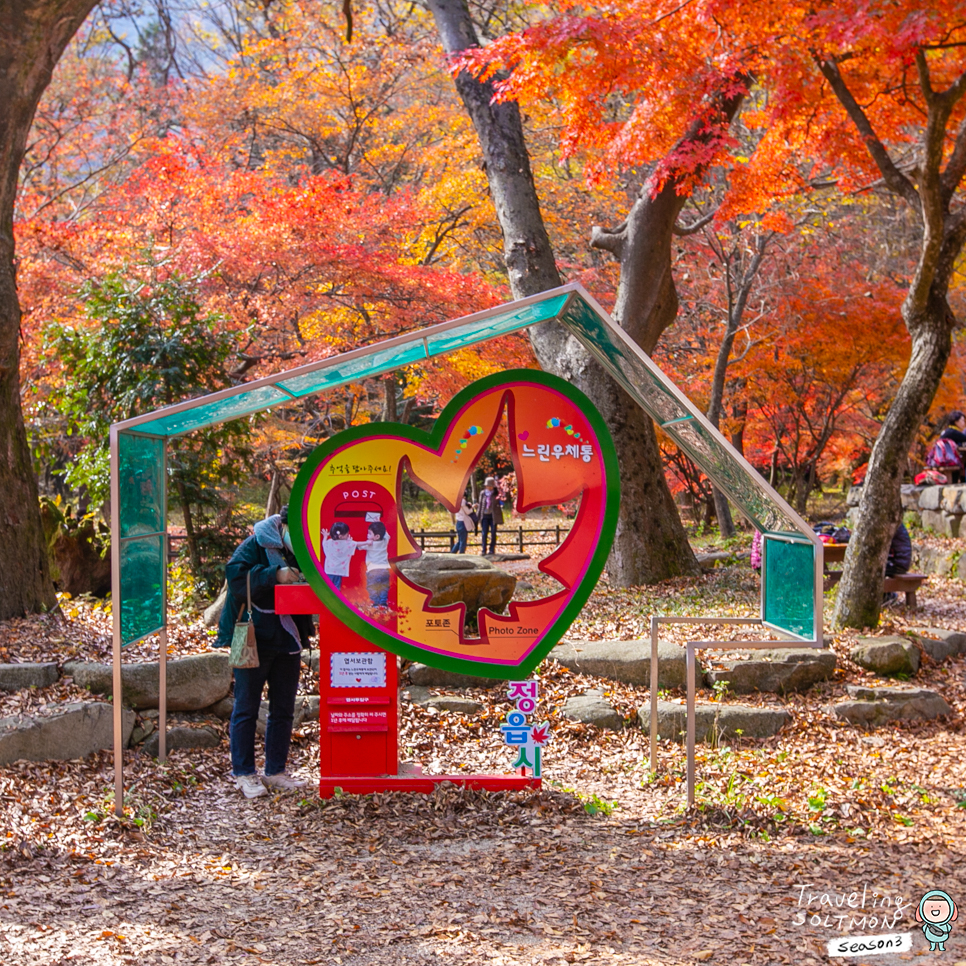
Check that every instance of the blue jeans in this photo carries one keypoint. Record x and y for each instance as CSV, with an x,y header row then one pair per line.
x,y
336,580
377,583
460,545
281,672
487,524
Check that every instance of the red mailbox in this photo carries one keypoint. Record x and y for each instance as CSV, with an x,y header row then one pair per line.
x,y
358,712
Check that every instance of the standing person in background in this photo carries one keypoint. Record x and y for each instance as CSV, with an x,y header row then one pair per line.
x,y
463,519
265,559
491,514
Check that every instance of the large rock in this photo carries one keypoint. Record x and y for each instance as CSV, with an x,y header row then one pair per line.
x,y
931,498
592,708
714,721
194,682
213,611
181,737
14,677
455,577
940,522
910,496
886,655
954,641
871,707
434,677
73,730
780,670
935,560
854,496
952,501
938,644
627,661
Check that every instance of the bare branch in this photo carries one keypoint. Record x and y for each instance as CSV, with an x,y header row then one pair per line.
x,y
696,226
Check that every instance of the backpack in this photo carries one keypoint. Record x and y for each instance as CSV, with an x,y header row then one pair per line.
x,y
944,453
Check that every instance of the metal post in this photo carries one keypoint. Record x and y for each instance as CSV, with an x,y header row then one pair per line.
x,y
163,693
116,687
691,729
654,684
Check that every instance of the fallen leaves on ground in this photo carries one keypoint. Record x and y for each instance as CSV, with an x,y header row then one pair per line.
x,y
603,865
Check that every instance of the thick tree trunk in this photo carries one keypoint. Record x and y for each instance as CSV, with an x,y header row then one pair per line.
x,y
190,537
651,543
860,595
33,35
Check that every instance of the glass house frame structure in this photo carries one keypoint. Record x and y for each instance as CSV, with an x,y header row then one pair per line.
x,y
791,594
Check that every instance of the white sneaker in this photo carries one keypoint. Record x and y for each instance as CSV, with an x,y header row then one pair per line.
x,y
250,786
283,781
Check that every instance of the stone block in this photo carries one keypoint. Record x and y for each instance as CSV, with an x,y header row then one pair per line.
x,y
72,730
626,661
942,523
887,656
930,498
453,703
592,707
714,721
935,560
181,737
955,640
14,677
434,677
193,682
779,671
952,501
871,707
910,496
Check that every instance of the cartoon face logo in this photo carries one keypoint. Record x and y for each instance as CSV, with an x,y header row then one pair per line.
x,y
937,912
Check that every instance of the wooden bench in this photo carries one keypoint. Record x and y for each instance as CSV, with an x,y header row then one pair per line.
x,y
906,584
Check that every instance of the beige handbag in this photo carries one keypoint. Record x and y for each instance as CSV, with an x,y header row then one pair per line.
x,y
244,651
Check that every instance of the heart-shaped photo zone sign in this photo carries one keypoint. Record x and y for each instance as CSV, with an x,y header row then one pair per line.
x,y
351,533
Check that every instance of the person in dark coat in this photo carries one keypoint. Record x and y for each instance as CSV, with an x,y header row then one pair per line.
x,y
900,552
267,558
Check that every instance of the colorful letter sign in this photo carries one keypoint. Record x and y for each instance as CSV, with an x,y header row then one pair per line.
x,y
352,531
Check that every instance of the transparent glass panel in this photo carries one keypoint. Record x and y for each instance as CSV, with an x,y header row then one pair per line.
x,y
730,475
142,586
208,414
651,389
141,479
483,329
353,370
788,592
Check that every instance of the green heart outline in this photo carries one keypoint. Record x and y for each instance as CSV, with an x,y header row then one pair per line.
x,y
433,439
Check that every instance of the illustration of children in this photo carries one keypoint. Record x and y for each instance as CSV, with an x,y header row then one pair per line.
x,y
937,912
377,564
338,548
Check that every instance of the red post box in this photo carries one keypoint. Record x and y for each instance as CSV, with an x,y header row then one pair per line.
x,y
358,712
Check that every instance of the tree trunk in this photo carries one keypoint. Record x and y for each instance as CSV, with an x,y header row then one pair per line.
x,y
33,35
651,543
190,537
860,595
274,502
